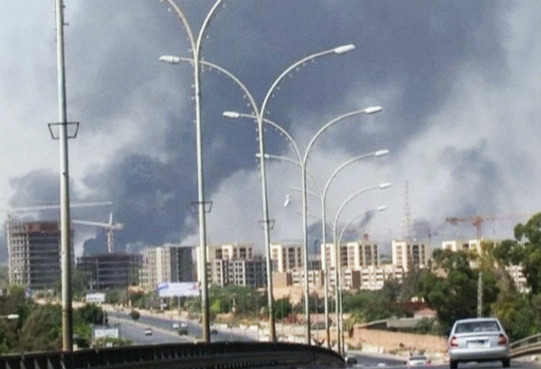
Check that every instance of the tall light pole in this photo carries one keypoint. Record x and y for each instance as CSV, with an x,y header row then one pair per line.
x,y
196,46
340,330
260,118
322,197
302,160
338,261
65,232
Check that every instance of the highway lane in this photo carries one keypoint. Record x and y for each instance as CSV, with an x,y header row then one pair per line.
x,y
135,331
163,331
368,361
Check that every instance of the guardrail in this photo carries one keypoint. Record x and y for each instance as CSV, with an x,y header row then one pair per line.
x,y
219,355
526,346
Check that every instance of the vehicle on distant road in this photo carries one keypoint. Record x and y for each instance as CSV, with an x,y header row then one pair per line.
x,y
177,325
478,340
350,360
148,331
183,332
214,331
417,360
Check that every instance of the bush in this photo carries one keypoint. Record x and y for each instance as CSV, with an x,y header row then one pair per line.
x,y
135,315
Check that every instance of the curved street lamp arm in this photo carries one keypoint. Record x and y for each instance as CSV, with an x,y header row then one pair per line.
x,y
185,23
234,79
336,50
278,127
350,161
296,163
370,110
200,38
379,208
308,192
355,194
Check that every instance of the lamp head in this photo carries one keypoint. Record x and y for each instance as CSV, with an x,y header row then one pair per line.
x,y
381,208
287,201
373,109
381,153
385,185
231,114
344,49
171,59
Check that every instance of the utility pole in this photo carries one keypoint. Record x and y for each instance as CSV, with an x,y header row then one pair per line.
x,y
65,232
480,295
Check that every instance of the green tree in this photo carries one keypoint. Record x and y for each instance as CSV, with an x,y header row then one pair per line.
x,y
282,308
135,315
528,251
451,288
91,314
43,329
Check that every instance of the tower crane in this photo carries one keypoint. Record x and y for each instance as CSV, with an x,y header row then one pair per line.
x,y
478,220
110,227
56,206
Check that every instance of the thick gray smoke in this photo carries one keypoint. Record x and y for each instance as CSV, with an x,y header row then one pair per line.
x,y
446,74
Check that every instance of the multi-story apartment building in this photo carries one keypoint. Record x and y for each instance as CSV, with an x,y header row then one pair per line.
x,y
238,272
360,254
235,264
457,245
168,263
230,252
286,257
315,277
407,255
354,255
33,253
111,271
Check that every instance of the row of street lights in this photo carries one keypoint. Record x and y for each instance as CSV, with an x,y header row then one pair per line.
x,y
258,114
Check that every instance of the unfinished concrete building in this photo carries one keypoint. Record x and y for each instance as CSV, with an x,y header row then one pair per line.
x,y
33,253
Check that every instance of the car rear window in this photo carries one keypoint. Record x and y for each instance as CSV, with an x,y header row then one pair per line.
x,y
471,327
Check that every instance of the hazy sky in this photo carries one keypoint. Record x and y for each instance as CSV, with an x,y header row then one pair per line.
x,y
459,82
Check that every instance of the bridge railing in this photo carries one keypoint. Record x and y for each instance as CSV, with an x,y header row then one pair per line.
x,y
219,355
526,346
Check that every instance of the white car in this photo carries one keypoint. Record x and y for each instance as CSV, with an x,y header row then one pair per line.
x,y
478,339
417,360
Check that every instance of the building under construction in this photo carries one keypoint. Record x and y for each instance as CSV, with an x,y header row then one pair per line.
x,y
33,253
111,271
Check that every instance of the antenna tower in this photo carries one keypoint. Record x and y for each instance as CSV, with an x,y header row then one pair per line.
x,y
406,221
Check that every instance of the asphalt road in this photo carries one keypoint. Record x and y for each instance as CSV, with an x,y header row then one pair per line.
x,y
382,362
163,332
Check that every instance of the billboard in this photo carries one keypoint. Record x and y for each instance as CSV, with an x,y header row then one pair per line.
x,y
96,298
105,331
178,289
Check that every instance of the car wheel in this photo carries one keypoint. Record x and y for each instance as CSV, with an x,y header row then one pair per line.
x,y
506,362
453,364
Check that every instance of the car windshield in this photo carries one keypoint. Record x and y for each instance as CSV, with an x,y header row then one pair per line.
x,y
417,358
471,327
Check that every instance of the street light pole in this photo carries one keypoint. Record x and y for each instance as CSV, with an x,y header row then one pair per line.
x,y
340,331
302,162
196,47
260,118
338,267
65,233
322,197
